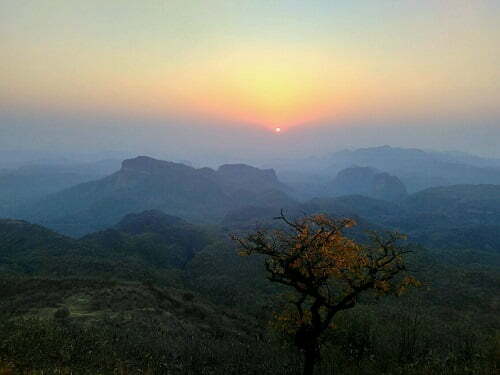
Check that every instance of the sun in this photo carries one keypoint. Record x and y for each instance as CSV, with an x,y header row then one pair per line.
x,y
277,130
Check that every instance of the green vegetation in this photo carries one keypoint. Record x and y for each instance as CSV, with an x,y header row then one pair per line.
x,y
155,294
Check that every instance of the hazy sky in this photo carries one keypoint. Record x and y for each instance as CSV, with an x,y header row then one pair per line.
x,y
218,76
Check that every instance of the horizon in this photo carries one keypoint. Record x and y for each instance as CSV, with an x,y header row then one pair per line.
x,y
18,159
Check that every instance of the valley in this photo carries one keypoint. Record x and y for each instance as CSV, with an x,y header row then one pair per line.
x,y
145,253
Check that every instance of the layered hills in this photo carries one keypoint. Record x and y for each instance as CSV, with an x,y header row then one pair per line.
x,y
153,283
145,183
239,196
417,169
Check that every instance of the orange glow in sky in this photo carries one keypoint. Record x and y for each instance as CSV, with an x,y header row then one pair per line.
x,y
261,63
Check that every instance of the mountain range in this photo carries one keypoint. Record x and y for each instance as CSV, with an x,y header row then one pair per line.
x,y
239,195
416,169
145,183
129,267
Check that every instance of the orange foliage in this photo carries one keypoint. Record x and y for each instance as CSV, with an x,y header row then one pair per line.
x,y
326,270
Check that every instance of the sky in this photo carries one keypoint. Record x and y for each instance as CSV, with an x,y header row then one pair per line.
x,y
196,79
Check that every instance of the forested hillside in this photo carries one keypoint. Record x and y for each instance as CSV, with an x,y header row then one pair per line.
x,y
155,292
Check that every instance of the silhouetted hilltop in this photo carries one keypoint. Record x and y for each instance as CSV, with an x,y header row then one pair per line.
x,y
144,183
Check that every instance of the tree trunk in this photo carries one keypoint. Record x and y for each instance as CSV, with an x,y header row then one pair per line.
x,y
307,340
310,357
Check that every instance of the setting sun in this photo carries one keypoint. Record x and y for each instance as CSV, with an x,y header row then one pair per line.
x,y
277,130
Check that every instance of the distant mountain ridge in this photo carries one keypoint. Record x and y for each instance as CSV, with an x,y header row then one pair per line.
x,y
144,183
398,155
238,193
419,169
31,182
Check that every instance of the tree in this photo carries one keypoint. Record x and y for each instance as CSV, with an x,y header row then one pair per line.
x,y
326,271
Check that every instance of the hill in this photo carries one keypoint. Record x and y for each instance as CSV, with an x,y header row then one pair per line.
x,y
122,294
31,182
466,216
32,250
369,182
420,169
96,326
145,183
157,239
416,169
